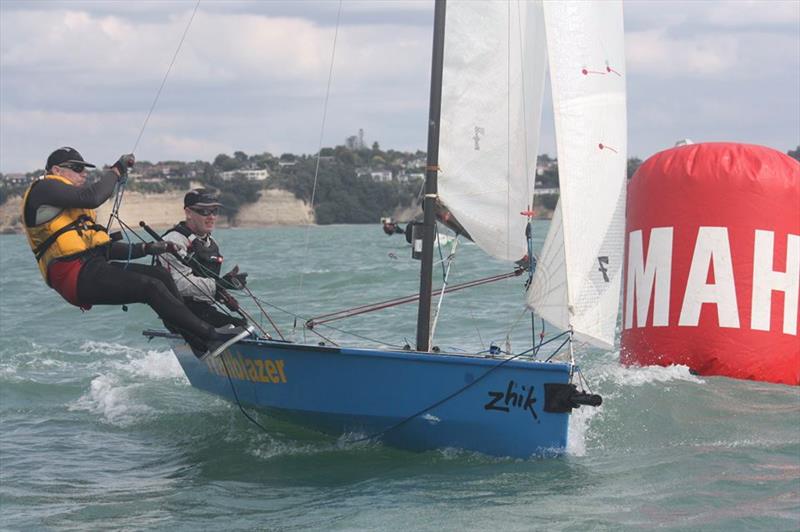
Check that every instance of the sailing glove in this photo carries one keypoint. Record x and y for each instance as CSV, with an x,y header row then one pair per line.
x,y
121,166
235,280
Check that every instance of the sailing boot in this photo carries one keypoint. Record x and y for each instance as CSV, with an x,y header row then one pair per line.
x,y
226,337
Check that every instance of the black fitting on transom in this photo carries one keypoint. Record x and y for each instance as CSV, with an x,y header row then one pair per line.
x,y
562,398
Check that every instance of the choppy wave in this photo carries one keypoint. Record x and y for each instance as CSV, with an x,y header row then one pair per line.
x,y
116,395
154,365
579,425
114,401
641,375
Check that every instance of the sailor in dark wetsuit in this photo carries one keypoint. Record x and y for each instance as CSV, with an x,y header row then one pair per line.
x,y
74,252
199,274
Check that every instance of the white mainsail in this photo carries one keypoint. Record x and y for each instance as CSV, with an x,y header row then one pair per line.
x,y
493,81
578,276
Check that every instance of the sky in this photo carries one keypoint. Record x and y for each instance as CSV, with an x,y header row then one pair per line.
x,y
252,76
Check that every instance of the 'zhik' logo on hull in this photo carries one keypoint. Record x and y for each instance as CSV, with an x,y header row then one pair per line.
x,y
504,401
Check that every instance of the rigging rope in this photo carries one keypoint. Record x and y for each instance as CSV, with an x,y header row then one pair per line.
x,y
304,320
355,311
321,136
120,187
445,279
166,75
512,327
236,396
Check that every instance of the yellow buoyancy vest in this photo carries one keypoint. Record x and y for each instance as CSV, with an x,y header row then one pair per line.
x,y
70,232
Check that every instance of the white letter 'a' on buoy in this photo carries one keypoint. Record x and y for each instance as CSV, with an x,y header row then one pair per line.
x,y
712,249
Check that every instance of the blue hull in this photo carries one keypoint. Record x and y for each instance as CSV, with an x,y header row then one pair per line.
x,y
411,400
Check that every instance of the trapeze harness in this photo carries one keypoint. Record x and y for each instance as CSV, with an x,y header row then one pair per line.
x,y
206,259
60,240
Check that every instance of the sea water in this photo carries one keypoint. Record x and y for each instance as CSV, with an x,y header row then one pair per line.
x,y
100,430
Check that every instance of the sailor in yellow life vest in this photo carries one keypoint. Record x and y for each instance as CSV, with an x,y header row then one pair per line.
x,y
76,255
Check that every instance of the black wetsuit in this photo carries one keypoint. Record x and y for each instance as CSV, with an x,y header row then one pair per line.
x,y
101,282
206,261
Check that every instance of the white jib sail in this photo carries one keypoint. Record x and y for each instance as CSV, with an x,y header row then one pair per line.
x,y
493,80
549,288
586,244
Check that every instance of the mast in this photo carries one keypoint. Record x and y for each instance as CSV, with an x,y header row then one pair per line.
x,y
431,189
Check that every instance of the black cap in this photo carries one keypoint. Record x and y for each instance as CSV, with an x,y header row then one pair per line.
x,y
66,155
201,197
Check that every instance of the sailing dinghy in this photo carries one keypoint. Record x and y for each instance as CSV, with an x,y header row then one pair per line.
x,y
486,91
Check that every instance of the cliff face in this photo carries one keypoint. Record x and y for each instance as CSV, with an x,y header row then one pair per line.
x,y
275,207
157,210
10,216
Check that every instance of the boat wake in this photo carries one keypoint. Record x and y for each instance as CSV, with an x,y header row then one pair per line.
x,y
155,365
579,427
615,382
114,401
607,373
119,395
271,448
133,362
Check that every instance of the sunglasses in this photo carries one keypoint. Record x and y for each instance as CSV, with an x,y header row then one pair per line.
x,y
75,167
212,211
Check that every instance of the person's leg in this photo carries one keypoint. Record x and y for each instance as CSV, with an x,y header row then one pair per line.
x,y
151,271
104,283
209,314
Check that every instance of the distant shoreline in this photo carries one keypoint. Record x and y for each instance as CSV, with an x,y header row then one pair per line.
x,y
275,207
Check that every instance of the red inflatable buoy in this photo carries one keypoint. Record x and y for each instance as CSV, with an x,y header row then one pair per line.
x,y
713,262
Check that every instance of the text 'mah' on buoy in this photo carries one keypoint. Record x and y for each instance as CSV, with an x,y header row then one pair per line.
x,y
713,262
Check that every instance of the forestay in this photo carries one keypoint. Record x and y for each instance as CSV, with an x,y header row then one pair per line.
x,y
493,80
577,281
